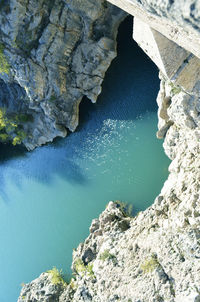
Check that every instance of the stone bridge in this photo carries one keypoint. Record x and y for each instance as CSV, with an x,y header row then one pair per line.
x,y
169,34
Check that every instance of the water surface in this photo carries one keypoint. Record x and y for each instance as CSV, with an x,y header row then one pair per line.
x,y
48,197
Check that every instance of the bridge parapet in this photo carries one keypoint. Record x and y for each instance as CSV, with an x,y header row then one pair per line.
x,y
173,48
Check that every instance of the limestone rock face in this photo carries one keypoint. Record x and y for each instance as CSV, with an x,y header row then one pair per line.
x,y
54,52
152,257
42,289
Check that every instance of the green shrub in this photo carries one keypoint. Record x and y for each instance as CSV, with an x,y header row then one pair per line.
x,y
175,89
72,284
90,269
4,65
16,141
150,264
4,137
83,269
106,255
56,276
10,128
23,118
79,266
21,135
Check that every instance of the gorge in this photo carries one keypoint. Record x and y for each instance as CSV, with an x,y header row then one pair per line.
x,y
153,256
50,195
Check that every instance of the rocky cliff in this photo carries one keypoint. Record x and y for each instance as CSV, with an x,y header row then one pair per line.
x,y
156,255
52,53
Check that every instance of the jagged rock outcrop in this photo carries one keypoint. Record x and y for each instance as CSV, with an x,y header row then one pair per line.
x,y
153,257
43,289
52,53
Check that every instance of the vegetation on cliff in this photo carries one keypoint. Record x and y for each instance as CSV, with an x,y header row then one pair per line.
x,y
11,127
4,65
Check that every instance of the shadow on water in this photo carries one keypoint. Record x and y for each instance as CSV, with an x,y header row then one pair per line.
x,y
41,165
8,152
134,78
136,83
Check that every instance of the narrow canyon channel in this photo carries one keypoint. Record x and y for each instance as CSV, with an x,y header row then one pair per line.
x,y
48,197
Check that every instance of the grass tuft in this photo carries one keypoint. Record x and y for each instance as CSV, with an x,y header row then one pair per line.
x,y
150,264
83,269
56,276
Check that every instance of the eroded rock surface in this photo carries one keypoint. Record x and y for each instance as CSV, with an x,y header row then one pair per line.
x,y
54,52
42,289
153,257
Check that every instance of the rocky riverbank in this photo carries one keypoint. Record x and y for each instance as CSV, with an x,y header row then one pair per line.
x,y
153,257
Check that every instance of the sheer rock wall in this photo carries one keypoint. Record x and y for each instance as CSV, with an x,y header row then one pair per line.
x,y
52,53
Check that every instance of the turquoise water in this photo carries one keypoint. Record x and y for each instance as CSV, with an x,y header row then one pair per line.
x,y
48,197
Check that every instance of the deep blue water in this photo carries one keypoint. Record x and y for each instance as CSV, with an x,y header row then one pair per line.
x,y
48,197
